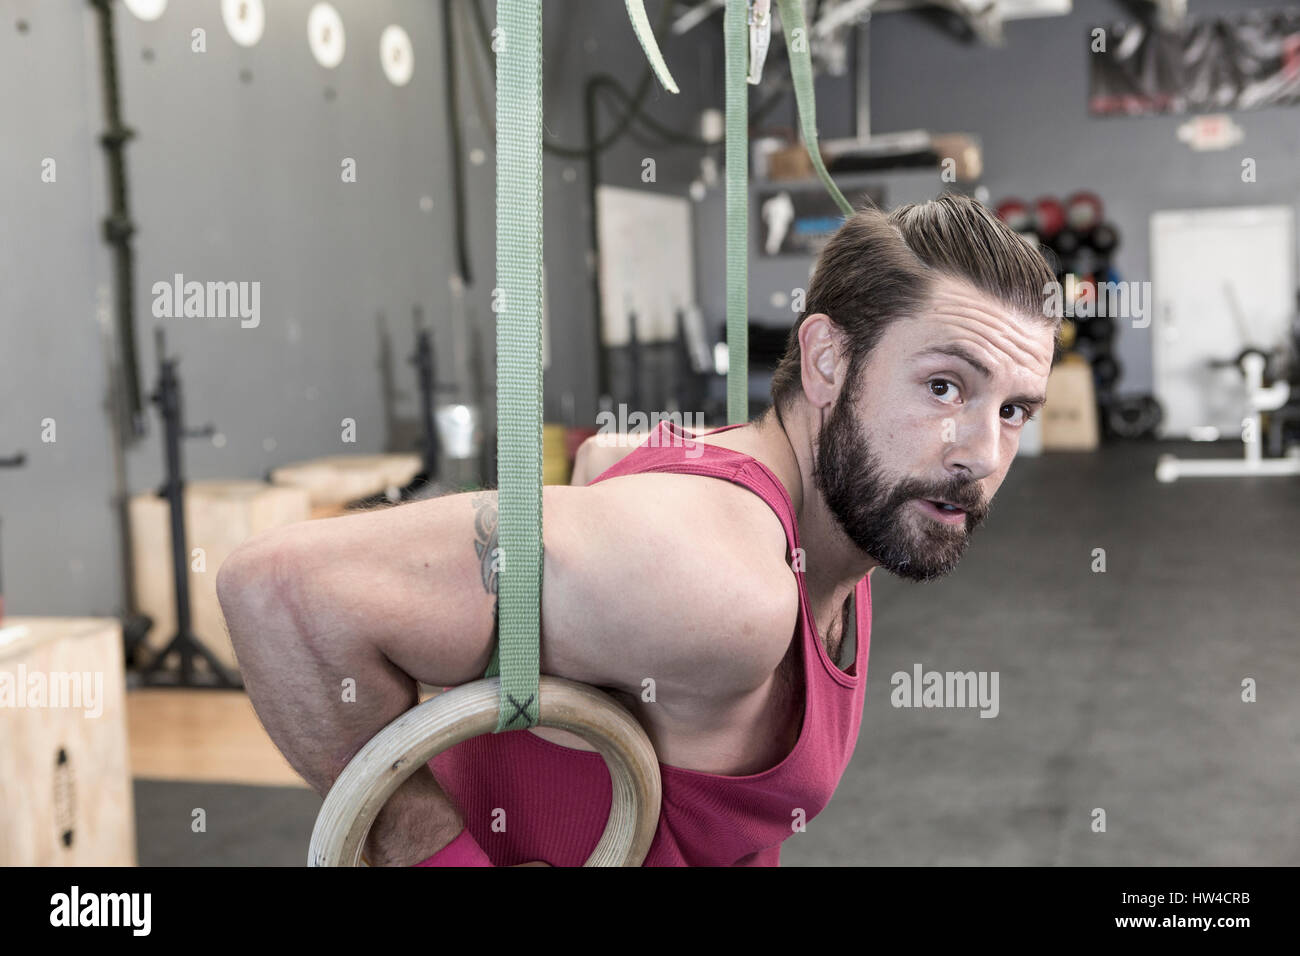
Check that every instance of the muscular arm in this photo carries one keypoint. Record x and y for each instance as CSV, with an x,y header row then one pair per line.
x,y
316,612
633,580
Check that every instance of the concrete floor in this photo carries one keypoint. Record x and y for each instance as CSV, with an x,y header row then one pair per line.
x,y
246,825
1118,690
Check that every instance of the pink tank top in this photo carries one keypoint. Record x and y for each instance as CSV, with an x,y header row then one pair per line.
x,y
550,802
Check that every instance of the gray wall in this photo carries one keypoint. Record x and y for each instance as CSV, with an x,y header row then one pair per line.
x,y
240,180
1028,103
235,176
58,533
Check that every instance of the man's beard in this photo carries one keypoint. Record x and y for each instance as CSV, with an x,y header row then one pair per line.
x,y
882,520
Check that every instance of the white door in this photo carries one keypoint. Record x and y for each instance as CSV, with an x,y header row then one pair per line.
x,y
1222,280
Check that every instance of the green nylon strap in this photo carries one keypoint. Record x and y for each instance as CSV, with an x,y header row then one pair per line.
x,y
735,29
519,359
519,299
641,27
516,657
797,40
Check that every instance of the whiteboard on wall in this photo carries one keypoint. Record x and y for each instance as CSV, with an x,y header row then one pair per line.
x,y
646,263
1222,280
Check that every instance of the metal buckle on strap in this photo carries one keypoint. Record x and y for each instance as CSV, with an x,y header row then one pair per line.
x,y
760,37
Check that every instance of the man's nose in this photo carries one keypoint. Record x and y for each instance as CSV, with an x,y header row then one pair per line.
x,y
977,447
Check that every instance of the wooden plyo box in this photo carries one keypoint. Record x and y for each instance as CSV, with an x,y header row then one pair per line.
x,y
1070,415
65,780
219,516
790,162
334,481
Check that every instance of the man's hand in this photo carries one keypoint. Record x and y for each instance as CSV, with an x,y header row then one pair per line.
x,y
417,821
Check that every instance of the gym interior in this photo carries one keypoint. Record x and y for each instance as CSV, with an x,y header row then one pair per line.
x,y
251,255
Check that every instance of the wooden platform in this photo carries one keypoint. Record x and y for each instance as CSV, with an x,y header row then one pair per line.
x,y
205,735
202,735
335,480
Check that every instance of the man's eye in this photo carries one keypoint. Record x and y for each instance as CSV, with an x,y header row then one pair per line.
x,y
942,388
1025,416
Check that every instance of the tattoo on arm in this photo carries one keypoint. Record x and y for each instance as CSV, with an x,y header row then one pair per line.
x,y
485,544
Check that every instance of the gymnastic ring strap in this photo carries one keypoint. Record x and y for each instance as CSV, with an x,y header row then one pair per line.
x,y
518,299
420,734
641,26
518,304
739,21
799,43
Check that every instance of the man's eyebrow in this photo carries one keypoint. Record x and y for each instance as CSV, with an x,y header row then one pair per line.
x,y
958,351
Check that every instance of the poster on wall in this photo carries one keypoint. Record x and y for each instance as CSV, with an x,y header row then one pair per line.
x,y
1210,64
797,222
647,264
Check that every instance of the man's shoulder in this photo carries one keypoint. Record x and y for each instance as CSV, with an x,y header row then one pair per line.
x,y
724,520
718,561
697,569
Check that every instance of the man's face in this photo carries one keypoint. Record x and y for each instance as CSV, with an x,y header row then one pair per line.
x,y
935,416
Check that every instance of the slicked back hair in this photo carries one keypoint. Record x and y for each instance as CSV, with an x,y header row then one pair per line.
x,y
881,267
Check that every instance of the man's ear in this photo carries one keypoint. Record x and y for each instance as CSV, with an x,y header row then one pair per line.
x,y
823,363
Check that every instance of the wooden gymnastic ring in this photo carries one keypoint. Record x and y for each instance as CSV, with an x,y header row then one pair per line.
x,y
397,751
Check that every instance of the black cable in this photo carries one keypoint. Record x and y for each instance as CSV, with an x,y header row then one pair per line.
x,y
593,85
485,47
593,237
642,90
605,81
635,101
465,35
595,145
457,163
